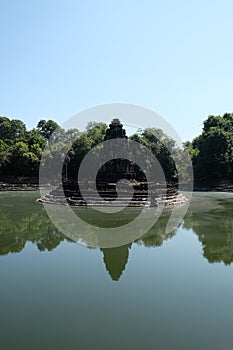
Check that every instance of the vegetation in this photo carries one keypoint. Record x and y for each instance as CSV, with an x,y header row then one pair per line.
x,y
21,150
211,152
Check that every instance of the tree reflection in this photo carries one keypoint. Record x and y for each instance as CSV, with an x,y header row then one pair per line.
x,y
115,259
214,228
157,234
211,220
31,224
10,240
36,228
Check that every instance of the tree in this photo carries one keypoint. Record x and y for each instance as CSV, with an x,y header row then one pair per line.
x,y
95,131
212,151
46,128
160,145
11,130
4,152
23,162
33,137
18,130
5,128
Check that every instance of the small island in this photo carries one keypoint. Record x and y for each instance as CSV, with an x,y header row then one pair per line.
x,y
113,171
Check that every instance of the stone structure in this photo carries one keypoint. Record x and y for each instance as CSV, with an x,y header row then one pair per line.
x,y
120,167
115,130
110,173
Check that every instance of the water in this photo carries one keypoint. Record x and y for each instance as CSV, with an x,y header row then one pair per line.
x,y
162,292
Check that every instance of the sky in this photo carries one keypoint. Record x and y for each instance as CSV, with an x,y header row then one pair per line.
x,y
61,57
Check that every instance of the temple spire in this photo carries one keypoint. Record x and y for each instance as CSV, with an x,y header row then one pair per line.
x,y
115,130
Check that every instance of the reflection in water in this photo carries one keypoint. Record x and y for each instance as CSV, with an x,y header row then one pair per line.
x,y
210,218
157,234
115,260
35,228
21,221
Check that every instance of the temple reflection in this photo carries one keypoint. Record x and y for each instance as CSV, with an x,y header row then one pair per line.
x,y
211,222
115,260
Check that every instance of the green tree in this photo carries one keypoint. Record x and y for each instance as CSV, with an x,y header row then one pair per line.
x,y
46,128
5,128
23,162
95,131
11,130
212,151
18,130
4,152
160,145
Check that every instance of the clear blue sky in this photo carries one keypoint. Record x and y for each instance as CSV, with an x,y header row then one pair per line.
x,y
59,57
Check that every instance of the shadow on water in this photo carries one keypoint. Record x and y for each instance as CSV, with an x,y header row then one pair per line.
x,y
209,217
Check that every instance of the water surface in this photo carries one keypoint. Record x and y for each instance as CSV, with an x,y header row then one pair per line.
x,y
165,291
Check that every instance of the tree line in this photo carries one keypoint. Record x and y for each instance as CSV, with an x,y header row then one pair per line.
x,y
21,149
212,150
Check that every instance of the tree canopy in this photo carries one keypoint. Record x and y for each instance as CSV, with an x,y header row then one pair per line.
x,y
212,151
21,149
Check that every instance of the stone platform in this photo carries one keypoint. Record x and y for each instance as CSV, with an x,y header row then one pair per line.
x,y
134,194
118,184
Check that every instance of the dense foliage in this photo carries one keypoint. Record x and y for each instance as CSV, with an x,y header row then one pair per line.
x,y
212,151
21,150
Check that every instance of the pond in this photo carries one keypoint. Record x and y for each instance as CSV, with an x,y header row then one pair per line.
x,y
164,291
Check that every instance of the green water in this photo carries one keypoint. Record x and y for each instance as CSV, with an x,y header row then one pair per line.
x,y
165,291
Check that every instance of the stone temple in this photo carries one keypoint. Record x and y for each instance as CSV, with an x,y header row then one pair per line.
x,y
115,130
120,168
133,183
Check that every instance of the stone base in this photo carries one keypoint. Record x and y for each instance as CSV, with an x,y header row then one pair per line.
x,y
131,194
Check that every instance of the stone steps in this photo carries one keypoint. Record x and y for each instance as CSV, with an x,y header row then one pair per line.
x,y
109,196
93,201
